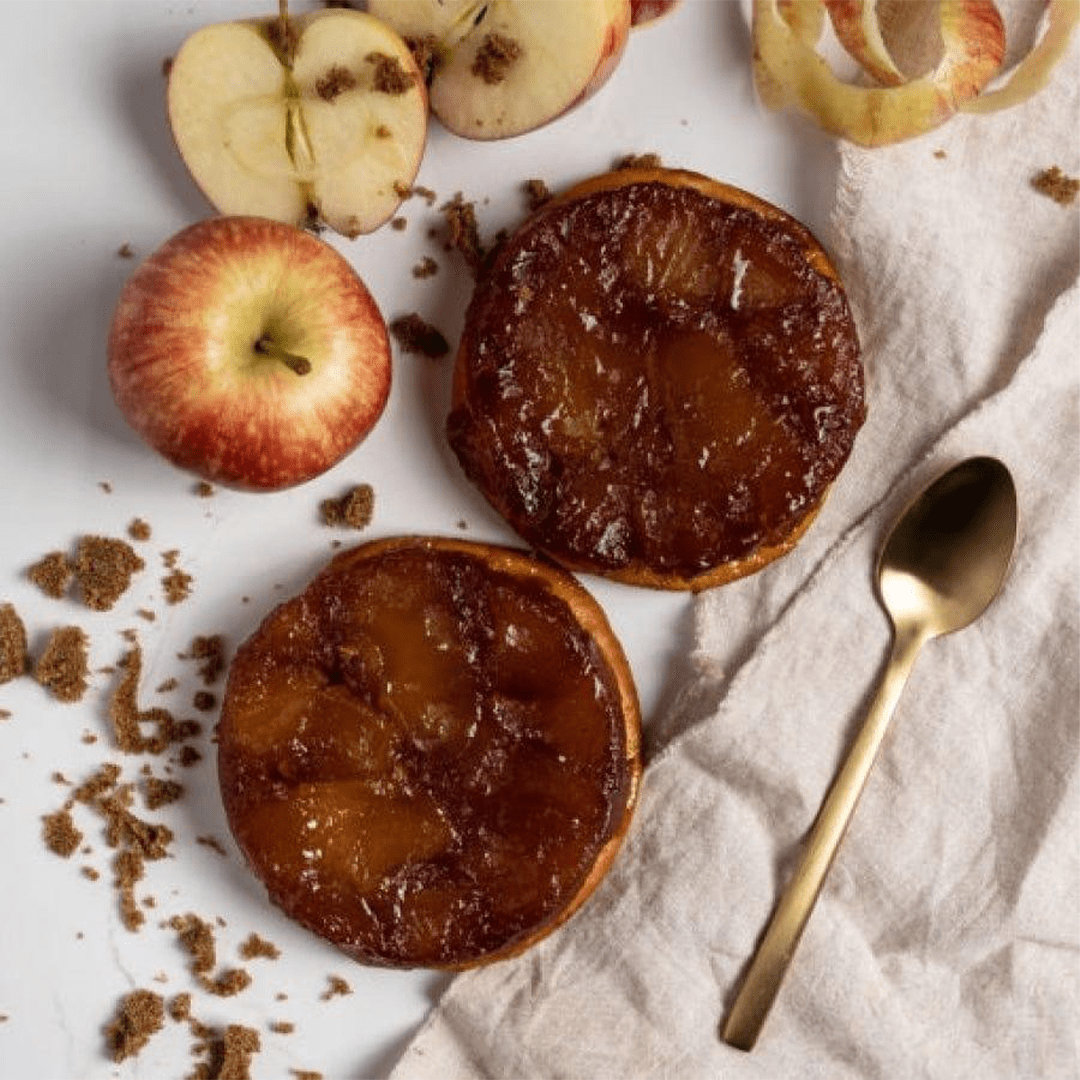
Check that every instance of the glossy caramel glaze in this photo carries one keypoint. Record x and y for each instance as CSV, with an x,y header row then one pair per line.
x,y
424,755
659,377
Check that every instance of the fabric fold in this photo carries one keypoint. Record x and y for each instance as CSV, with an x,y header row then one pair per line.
x,y
945,944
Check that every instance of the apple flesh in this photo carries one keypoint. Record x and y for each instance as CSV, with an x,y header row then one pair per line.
x,y
317,119
505,67
250,353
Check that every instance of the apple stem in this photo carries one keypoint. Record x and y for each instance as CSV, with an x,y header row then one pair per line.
x,y
282,37
300,364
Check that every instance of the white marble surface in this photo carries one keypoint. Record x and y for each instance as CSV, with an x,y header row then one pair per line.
x,y
89,166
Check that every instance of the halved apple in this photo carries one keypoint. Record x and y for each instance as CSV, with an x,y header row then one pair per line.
x,y
317,119
504,67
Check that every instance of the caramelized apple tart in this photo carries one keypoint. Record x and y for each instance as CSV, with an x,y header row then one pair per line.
x,y
658,380
431,755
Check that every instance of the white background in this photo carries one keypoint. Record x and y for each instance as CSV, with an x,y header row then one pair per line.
x,y
89,165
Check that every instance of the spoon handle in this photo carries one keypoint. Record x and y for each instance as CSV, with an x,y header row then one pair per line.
x,y
777,946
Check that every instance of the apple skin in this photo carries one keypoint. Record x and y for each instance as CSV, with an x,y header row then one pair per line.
x,y
192,364
643,12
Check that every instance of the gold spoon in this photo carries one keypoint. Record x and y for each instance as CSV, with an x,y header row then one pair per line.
x,y
941,566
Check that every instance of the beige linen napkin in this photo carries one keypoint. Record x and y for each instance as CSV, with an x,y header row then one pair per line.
x,y
945,944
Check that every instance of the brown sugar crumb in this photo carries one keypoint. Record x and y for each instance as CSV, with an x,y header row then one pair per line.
x,y
104,568
124,830
167,685
158,793
204,490
105,486
1054,184
383,132
129,868
170,558
180,1008
940,155
399,224
228,983
338,988
209,649
146,613
138,529
14,659
426,51
177,586
390,76
282,1027
89,738
638,161
137,841
230,1059
213,844
97,784
91,873
354,509
125,251
52,574
141,1014
424,193
255,946
4,715
419,338
197,939
306,1074
495,57
204,701
188,756
463,233
127,718
536,193
63,666
60,835
425,268
336,81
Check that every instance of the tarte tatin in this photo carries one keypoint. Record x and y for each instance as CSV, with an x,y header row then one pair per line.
x,y
658,380
431,755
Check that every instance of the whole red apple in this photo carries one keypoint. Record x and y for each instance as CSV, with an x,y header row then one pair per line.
x,y
250,353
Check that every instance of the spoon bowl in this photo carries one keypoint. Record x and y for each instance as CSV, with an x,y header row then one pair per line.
x,y
947,555
943,562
